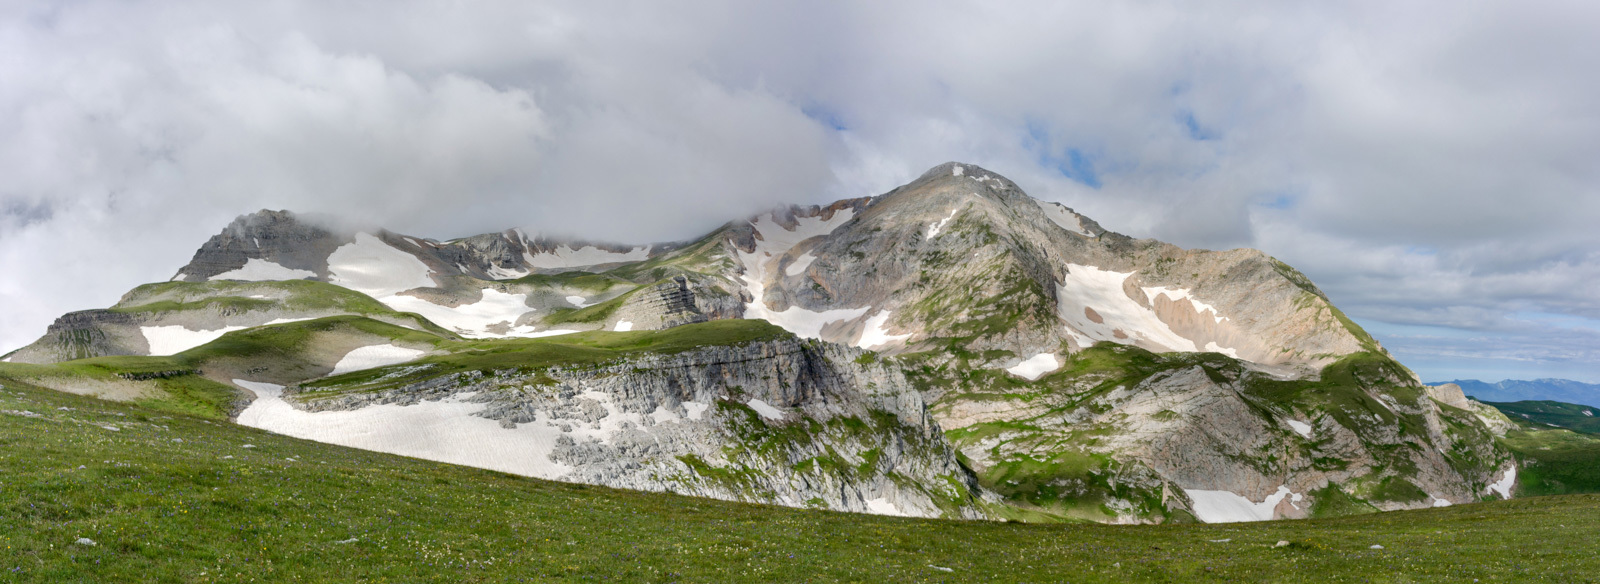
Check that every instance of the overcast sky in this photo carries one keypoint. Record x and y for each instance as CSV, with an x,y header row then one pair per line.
x,y
1434,167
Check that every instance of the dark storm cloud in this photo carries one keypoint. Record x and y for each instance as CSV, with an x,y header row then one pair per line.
x,y
1427,164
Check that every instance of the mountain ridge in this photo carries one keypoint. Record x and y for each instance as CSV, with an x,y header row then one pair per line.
x,y
1076,372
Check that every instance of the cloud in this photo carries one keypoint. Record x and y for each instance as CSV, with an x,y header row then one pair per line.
x,y
1425,167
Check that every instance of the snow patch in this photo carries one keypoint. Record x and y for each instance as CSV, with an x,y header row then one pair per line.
x,y
956,170
446,431
875,335
1183,294
1440,501
577,301
1503,486
1300,427
1228,507
588,255
1087,288
933,229
1063,217
372,356
799,265
376,269
694,409
174,339
623,326
662,415
765,409
1589,413
500,273
1213,347
258,270
470,320
1035,367
881,505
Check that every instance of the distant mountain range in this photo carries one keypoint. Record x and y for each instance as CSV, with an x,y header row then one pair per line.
x,y
1511,390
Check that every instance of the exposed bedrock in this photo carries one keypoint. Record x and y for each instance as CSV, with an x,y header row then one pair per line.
x,y
797,423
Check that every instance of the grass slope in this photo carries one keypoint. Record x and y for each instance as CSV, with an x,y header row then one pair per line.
x,y
1553,413
1553,460
227,296
173,498
179,383
529,355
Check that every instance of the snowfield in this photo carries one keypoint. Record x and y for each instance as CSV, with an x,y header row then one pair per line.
x,y
1093,304
170,340
470,320
377,269
448,430
1228,507
765,409
881,505
1035,367
1504,485
258,270
443,431
875,335
374,356
1300,427
799,265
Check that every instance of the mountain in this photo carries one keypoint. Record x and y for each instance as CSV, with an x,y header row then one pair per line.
x,y
1510,390
953,347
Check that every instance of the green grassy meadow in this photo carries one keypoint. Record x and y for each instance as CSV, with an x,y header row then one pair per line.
x,y
169,497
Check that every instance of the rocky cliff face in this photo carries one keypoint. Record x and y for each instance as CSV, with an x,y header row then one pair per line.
x,y
791,422
1140,437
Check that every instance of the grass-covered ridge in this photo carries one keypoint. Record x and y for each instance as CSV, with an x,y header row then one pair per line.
x,y
286,296
294,294
1575,417
176,498
529,355
181,384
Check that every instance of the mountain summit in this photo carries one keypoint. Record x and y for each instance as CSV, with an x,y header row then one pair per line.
x,y
951,347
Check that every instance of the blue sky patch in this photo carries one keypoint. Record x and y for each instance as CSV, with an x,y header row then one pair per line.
x,y
1071,162
825,116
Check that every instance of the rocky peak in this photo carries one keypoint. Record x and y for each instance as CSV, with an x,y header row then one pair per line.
x,y
285,241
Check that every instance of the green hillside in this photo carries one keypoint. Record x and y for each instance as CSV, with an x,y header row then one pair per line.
x,y
1553,413
174,498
